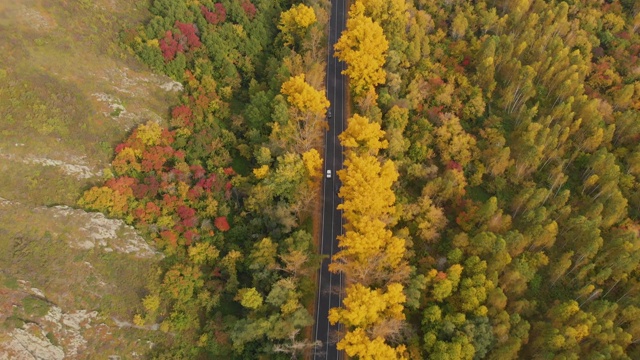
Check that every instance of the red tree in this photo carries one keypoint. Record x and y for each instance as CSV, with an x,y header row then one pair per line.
x,y
122,185
189,32
218,15
170,46
249,9
221,223
194,193
197,171
182,113
453,165
170,237
190,236
153,158
208,182
186,212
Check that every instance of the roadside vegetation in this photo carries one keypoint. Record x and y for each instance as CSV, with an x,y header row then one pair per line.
x,y
227,190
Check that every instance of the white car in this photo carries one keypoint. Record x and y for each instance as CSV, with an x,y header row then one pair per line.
x,y
328,174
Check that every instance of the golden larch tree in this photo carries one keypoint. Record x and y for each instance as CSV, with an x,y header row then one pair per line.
x,y
363,47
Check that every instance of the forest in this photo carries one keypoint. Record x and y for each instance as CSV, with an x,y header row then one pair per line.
x,y
501,140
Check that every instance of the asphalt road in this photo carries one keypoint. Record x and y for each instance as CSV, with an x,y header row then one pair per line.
x,y
330,285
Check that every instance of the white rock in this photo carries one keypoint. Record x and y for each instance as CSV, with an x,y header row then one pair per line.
x,y
75,319
172,86
26,344
37,292
5,202
110,234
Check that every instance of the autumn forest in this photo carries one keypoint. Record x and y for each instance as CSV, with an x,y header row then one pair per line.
x,y
491,181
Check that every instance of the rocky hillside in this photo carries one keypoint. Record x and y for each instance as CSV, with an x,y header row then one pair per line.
x,y
70,281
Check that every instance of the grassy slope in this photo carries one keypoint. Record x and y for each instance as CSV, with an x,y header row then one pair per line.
x,y
64,83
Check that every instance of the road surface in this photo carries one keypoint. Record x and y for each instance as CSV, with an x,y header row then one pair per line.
x,y
330,285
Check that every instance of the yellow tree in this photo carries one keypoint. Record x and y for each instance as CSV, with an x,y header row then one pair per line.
x,y
364,307
431,219
362,177
295,22
304,97
105,199
249,298
261,172
385,265
313,163
363,47
369,253
361,134
358,343
390,14
367,310
363,174
306,122
376,9
453,142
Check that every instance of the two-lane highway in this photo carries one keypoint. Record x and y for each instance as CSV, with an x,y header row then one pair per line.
x,y
330,285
